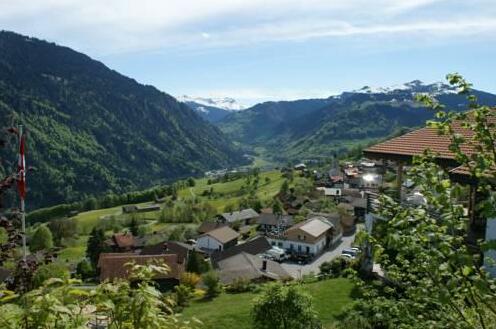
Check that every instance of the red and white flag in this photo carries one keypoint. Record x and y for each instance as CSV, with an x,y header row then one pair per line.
x,y
21,170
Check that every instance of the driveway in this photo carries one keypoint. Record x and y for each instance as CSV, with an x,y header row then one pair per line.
x,y
297,271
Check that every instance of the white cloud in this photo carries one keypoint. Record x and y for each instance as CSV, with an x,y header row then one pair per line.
x,y
113,26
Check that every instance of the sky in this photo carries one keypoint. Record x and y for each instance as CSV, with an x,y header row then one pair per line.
x,y
258,50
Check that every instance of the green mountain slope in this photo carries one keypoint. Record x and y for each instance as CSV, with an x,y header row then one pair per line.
x,y
316,128
93,130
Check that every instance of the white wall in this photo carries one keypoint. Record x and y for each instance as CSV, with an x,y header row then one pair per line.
x,y
315,248
490,255
207,242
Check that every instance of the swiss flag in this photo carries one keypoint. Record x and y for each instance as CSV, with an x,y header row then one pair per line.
x,y
21,169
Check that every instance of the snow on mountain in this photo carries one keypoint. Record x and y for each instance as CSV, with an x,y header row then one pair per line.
x,y
225,103
415,86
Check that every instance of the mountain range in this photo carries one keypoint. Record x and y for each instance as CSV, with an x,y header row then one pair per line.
x,y
313,128
212,109
92,130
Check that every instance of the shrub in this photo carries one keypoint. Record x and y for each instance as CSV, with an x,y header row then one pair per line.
x,y
49,271
190,280
85,270
42,239
212,282
182,295
335,267
240,285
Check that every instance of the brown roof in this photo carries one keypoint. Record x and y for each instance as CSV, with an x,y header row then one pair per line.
x,y
209,226
256,246
125,240
223,234
112,265
249,267
417,141
170,247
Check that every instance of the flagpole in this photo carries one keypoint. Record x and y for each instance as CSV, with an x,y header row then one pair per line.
x,y
23,206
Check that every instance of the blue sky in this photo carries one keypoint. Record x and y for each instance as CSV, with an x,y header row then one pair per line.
x,y
258,50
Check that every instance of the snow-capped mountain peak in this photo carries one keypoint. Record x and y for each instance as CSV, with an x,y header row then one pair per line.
x,y
225,103
415,86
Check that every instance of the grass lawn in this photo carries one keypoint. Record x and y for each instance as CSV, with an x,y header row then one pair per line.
x,y
229,190
233,310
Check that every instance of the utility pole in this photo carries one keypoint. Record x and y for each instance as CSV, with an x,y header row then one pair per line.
x,y
21,179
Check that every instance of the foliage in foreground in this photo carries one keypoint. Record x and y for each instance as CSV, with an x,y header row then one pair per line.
x,y
60,304
432,279
284,307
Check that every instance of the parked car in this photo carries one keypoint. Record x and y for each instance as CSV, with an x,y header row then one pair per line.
x,y
347,256
349,251
276,253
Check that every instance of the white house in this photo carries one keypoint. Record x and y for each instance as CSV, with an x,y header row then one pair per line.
x,y
219,239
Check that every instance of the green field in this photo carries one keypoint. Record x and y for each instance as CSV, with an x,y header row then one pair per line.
x,y
226,193
330,297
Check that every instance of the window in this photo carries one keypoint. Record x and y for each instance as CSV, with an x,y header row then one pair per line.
x,y
304,237
279,244
299,248
291,246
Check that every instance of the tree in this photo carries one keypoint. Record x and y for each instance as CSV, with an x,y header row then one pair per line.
x,y
277,208
42,239
284,307
212,282
195,263
433,279
284,188
50,271
62,229
134,226
95,246
191,182
85,270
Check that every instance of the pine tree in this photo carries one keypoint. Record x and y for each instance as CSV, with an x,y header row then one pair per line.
x,y
95,246
195,264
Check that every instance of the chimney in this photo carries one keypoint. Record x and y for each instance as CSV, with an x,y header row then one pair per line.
x,y
264,265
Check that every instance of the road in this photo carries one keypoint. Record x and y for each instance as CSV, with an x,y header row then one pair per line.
x,y
297,271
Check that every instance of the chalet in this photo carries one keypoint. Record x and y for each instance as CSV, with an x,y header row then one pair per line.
x,y
255,246
245,216
122,242
249,267
310,237
268,222
219,239
129,209
403,149
113,266
330,192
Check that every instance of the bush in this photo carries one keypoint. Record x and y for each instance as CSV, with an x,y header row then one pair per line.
x,y
42,239
182,295
335,267
212,282
190,280
240,285
49,271
85,270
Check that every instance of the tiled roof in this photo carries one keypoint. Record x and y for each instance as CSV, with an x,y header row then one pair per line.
x,y
240,215
417,141
209,226
223,234
125,240
253,247
249,267
112,265
313,226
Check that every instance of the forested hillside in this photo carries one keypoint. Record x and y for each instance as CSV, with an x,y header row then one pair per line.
x,y
93,130
322,127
